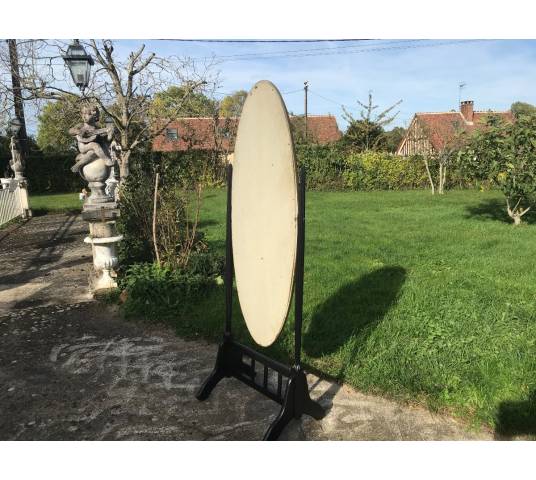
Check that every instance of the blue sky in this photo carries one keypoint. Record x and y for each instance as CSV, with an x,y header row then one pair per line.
x,y
496,72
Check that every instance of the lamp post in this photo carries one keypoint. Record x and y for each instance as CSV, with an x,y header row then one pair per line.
x,y
79,64
109,122
14,126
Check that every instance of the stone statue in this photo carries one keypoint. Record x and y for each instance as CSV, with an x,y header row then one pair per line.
x,y
17,165
94,162
16,158
93,142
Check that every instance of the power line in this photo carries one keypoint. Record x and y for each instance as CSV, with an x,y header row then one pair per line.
x,y
309,40
361,50
325,98
292,91
277,52
282,93
352,49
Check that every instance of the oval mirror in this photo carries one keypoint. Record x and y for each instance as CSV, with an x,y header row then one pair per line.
x,y
264,212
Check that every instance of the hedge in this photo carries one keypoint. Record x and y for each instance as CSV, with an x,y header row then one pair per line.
x,y
48,172
332,167
328,167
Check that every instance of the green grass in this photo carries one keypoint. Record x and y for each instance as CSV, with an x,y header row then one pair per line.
x,y
59,202
425,299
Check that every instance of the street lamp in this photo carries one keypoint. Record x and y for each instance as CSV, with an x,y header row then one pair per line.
x,y
14,126
79,64
109,122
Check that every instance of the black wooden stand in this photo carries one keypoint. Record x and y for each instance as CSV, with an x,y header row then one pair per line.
x,y
244,363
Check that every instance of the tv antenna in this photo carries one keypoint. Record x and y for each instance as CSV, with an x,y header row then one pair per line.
x,y
461,86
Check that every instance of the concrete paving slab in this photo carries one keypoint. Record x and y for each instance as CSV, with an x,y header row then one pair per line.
x,y
80,372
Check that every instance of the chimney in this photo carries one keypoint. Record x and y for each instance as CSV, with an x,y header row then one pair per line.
x,y
466,109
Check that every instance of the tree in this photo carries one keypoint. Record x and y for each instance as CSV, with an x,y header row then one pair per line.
x,y
55,120
182,101
522,108
297,127
129,87
453,142
366,133
505,153
231,105
450,139
392,138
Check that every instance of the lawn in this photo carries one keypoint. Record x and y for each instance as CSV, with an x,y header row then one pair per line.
x,y
424,299
59,202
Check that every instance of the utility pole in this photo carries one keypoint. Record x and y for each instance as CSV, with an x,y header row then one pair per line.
x,y
17,97
306,87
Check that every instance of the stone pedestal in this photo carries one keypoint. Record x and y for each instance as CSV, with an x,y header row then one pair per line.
x,y
23,195
19,185
103,238
96,173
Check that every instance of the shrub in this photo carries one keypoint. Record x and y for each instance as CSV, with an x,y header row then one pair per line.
x,y
178,203
161,292
135,220
166,285
324,165
335,167
505,153
382,171
192,167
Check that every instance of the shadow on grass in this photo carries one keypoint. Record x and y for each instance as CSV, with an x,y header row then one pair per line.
x,y
206,317
354,307
516,418
206,223
496,210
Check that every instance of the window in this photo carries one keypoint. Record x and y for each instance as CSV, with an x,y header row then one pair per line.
x,y
172,134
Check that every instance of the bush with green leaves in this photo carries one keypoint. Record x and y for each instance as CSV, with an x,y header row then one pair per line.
x,y
160,292
324,165
336,167
176,216
163,285
381,171
505,153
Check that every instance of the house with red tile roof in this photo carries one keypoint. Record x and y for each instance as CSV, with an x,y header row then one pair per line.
x,y
321,129
432,132
204,133
196,133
